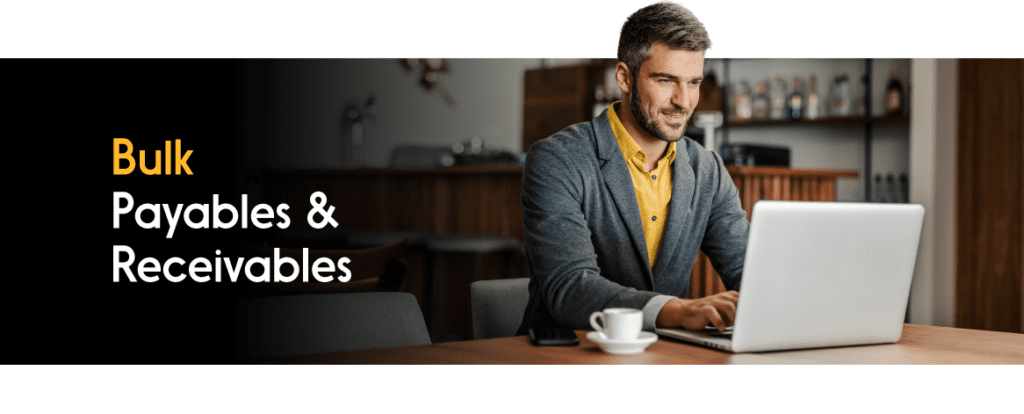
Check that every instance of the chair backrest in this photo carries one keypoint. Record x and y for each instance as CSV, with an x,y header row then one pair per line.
x,y
373,269
498,306
282,326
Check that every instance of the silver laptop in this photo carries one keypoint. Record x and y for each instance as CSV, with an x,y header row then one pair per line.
x,y
821,275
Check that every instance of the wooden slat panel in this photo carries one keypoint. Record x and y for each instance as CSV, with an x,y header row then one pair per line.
x,y
746,197
755,192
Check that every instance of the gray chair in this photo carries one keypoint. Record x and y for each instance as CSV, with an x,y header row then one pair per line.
x,y
498,306
437,247
282,326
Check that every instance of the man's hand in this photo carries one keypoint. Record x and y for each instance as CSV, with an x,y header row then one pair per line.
x,y
694,314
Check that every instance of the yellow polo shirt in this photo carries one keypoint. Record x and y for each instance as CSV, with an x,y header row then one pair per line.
x,y
653,189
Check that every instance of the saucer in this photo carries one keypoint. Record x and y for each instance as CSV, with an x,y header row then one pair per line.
x,y
623,347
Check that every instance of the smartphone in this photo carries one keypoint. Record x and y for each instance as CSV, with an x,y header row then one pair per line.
x,y
553,336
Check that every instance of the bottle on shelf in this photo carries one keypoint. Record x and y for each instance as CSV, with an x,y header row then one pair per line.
x,y
744,109
777,99
904,188
891,190
813,107
839,97
760,104
880,193
795,103
894,94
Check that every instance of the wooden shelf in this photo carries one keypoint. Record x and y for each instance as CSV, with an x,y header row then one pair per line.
x,y
790,172
852,120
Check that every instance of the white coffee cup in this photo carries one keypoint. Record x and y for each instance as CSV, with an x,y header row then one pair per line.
x,y
619,324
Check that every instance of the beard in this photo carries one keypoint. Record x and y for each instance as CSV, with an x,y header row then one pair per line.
x,y
644,118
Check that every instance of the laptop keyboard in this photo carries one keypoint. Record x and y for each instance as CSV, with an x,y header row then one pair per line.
x,y
713,332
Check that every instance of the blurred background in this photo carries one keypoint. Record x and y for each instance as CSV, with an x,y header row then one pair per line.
x,y
430,150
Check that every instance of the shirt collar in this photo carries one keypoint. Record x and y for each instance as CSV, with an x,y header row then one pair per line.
x,y
630,149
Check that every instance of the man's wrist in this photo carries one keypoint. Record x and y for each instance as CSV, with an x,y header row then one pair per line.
x,y
652,309
671,313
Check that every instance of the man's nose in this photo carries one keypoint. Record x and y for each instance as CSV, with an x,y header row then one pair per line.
x,y
683,99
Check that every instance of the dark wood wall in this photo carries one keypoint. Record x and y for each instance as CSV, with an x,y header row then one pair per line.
x,y
456,200
990,195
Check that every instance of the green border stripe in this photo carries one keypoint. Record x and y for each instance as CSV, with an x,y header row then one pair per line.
x,y
514,29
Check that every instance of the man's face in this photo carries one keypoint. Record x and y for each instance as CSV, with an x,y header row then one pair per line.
x,y
666,91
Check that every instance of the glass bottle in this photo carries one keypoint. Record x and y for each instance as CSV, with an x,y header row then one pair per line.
x,y
760,102
879,196
894,94
743,102
813,108
777,99
839,98
904,188
891,190
795,103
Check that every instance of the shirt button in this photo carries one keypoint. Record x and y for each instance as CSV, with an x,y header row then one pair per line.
x,y
654,218
654,177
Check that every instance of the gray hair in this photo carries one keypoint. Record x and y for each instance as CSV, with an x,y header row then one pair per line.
x,y
668,23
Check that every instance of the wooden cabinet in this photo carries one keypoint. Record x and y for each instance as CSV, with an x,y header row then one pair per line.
x,y
555,98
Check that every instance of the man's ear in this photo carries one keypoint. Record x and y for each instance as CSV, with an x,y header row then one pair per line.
x,y
623,78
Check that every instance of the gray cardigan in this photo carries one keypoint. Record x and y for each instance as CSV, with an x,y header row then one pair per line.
x,y
585,245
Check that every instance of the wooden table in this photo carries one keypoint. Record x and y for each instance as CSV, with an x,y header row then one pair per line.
x,y
920,344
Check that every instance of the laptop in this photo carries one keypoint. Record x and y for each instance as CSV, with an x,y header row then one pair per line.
x,y
819,275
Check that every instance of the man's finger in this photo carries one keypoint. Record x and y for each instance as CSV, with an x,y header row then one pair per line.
x,y
728,312
732,295
714,318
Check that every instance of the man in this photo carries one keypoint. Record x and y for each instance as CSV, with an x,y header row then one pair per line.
x,y
615,210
